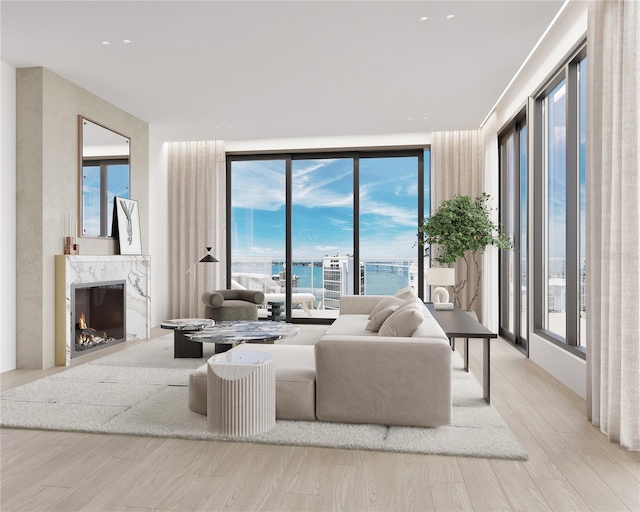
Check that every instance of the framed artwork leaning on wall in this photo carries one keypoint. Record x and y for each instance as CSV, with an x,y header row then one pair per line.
x,y
126,223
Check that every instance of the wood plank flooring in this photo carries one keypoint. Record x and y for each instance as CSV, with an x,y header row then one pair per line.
x,y
571,466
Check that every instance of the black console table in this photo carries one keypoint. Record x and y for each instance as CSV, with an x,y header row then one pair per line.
x,y
457,323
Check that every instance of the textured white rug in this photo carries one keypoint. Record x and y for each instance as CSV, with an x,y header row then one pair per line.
x,y
143,391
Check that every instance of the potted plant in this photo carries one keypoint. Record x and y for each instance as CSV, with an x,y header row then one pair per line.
x,y
461,228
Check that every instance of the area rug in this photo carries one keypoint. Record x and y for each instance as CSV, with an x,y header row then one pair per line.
x,y
143,391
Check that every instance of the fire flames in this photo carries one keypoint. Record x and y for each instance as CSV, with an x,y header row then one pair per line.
x,y
86,334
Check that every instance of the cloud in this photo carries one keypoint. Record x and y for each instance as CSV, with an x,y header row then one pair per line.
x,y
258,185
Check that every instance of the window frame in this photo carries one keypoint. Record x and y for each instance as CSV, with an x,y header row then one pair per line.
x,y
106,213
356,155
513,128
568,71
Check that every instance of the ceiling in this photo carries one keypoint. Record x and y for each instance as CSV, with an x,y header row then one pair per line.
x,y
252,70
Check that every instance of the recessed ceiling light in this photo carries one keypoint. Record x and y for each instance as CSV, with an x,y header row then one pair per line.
x,y
126,41
409,118
451,16
217,127
424,18
424,117
106,43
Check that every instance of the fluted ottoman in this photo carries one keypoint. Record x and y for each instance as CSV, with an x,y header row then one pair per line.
x,y
241,393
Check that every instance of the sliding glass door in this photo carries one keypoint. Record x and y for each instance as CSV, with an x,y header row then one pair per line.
x,y
306,229
388,220
514,219
257,227
321,235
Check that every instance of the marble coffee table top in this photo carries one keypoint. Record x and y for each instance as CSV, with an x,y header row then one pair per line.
x,y
187,324
242,331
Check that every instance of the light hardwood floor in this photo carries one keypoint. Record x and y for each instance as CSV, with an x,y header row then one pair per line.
x,y
571,465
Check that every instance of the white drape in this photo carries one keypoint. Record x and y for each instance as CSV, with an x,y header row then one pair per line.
x,y
613,221
490,291
197,219
457,167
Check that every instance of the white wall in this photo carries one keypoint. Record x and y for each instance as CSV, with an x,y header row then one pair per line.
x,y
8,218
159,230
47,109
568,31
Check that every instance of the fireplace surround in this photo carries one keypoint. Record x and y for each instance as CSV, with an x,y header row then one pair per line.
x,y
84,270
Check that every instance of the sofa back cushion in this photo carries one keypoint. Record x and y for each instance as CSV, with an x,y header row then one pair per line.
x,y
385,303
404,321
379,318
406,293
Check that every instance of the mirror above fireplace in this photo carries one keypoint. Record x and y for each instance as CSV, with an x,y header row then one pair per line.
x,y
104,174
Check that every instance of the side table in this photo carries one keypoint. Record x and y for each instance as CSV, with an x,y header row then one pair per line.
x,y
456,323
275,308
183,346
241,393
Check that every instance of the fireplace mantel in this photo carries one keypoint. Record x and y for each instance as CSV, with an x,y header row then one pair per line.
x,y
135,270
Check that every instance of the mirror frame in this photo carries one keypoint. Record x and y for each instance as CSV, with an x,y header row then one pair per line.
x,y
81,120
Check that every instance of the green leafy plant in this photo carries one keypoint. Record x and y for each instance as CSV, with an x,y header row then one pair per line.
x,y
461,228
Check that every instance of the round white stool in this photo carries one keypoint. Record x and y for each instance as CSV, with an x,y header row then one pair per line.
x,y
241,393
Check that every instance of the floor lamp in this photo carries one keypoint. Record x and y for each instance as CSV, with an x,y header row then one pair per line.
x,y
208,258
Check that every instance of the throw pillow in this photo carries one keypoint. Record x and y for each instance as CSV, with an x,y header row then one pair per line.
x,y
406,293
403,322
378,319
385,303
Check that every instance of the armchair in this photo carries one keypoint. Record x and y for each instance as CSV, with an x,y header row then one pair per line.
x,y
224,305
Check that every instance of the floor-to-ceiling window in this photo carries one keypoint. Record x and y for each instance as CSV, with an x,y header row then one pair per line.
x,y
514,219
257,230
307,229
388,221
560,206
321,233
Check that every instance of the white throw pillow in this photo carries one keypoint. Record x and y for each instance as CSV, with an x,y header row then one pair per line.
x,y
403,322
385,303
406,293
379,318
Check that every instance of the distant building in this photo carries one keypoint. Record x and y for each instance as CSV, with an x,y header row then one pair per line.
x,y
557,295
337,280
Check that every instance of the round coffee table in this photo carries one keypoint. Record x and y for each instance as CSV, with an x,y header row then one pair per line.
x,y
228,334
182,346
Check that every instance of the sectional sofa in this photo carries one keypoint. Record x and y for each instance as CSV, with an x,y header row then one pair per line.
x,y
384,360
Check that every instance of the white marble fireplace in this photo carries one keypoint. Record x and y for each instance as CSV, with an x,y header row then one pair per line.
x,y
134,270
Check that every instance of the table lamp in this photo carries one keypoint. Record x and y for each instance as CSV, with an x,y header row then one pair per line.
x,y
208,258
441,277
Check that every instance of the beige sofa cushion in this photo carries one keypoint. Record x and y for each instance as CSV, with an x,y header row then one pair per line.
x,y
378,319
349,325
295,381
406,293
295,367
384,304
403,322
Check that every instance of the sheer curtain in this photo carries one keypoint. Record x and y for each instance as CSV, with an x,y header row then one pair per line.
x,y
490,287
613,220
457,167
197,219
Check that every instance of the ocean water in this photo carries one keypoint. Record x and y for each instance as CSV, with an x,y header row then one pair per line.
x,y
379,280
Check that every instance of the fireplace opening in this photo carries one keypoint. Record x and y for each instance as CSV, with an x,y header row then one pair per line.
x,y
98,315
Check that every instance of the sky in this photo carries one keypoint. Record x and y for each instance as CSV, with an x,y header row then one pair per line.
x,y
117,185
322,208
